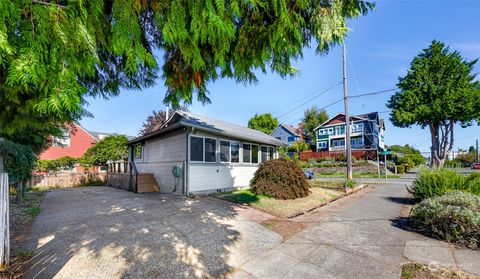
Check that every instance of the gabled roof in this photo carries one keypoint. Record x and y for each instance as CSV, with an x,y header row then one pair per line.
x,y
371,116
187,119
293,130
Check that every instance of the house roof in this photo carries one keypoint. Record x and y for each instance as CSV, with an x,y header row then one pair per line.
x,y
371,116
293,130
100,135
212,125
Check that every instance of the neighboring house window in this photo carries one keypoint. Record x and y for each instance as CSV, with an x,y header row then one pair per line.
x,y
210,148
289,139
270,153
255,154
279,138
196,149
235,151
247,154
264,153
338,142
340,130
138,151
330,131
64,139
224,151
323,132
357,142
356,128
322,144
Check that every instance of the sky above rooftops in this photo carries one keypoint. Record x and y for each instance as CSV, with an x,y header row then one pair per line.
x,y
380,47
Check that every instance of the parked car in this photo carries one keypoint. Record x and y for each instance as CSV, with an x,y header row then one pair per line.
x,y
309,174
475,166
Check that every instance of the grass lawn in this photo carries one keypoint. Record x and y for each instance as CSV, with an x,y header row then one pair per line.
x,y
283,208
422,271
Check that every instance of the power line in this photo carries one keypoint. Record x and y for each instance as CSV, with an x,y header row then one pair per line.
x,y
301,99
372,93
309,100
331,104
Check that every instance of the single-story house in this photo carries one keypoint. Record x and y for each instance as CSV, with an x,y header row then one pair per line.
x,y
213,155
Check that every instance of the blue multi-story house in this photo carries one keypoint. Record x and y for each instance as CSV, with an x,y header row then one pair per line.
x,y
289,134
367,133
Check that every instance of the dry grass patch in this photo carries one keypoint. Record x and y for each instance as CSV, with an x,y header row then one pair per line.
x,y
422,271
283,208
285,228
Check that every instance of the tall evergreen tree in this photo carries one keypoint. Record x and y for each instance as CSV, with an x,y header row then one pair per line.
x,y
438,92
53,54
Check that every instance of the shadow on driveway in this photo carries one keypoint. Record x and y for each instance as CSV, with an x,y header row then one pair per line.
x,y
109,233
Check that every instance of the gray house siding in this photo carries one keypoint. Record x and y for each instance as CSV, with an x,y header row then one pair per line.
x,y
160,155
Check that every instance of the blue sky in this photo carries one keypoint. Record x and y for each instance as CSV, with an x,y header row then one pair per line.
x,y
380,47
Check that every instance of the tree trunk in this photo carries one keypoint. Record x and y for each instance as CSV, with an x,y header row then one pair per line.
x,y
442,142
19,191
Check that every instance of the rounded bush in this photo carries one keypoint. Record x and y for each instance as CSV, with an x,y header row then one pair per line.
x,y
280,179
454,217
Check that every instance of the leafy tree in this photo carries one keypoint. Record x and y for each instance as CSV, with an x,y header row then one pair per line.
x,y
111,148
19,161
156,120
312,119
263,122
298,146
53,54
438,92
471,149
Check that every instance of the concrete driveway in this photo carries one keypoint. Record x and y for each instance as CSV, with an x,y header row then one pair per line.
x,y
102,232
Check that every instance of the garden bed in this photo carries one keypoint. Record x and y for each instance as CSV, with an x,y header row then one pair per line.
x,y
422,271
284,208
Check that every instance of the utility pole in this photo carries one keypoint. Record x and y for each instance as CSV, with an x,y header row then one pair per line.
x,y
347,117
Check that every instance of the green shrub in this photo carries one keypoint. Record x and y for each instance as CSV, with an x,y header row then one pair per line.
x,y
400,169
55,165
351,184
280,179
19,161
433,183
472,183
454,217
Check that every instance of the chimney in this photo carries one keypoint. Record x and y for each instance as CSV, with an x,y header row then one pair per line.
x,y
300,130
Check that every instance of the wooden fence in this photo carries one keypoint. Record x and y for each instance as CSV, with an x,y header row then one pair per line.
x,y
67,180
338,155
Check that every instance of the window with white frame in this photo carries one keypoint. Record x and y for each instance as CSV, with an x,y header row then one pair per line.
x,y
138,151
357,142
322,144
210,150
254,154
270,153
234,152
330,131
224,151
247,153
358,127
264,154
203,149
196,149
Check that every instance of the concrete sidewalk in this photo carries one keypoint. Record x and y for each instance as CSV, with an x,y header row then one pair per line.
x,y
361,236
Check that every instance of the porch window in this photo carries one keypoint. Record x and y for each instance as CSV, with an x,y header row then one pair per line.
x,y
224,151
264,153
210,148
255,154
235,151
196,149
247,155
138,151
322,144
270,153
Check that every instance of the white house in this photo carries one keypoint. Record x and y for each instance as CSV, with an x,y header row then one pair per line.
x,y
212,155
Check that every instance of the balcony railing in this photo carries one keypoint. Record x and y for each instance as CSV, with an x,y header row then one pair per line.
x,y
342,147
